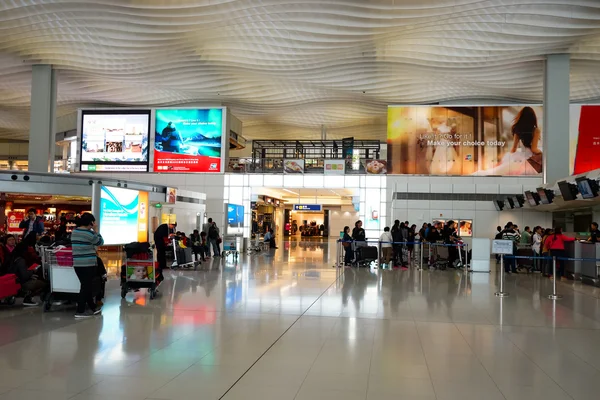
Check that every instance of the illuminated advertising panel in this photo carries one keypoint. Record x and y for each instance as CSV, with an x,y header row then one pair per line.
x,y
123,215
189,140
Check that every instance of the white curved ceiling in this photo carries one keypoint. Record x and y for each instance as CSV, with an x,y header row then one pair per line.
x,y
287,67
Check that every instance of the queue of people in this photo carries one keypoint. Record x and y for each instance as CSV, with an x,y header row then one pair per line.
x,y
543,243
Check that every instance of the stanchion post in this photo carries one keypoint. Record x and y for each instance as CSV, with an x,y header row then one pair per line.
x,y
421,254
554,295
379,255
501,292
466,258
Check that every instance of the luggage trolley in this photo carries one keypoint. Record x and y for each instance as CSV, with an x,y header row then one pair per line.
x,y
140,272
57,267
182,256
231,246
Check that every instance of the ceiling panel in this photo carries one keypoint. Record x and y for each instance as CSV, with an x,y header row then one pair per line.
x,y
287,67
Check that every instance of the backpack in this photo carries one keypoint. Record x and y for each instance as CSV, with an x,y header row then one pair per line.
x,y
212,233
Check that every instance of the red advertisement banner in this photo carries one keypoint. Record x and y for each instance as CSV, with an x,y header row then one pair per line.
x,y
173,162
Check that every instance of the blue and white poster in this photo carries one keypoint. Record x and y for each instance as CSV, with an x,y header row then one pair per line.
x,y
123,215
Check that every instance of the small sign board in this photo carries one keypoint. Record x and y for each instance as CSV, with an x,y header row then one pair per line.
x,y
502,247
308,207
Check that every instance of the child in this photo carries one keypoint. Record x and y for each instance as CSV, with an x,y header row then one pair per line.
x,y
139,273
386,245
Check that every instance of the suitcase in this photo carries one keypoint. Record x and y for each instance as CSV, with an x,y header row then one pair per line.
x,y
368,253
9,287
184,256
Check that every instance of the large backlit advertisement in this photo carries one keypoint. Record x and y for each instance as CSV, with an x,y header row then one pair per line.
x,y
188,140
584,137
123,215
114,140
465,140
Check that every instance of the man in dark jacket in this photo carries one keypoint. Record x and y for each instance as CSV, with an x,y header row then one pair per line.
x,y
358,233
32,223
397,237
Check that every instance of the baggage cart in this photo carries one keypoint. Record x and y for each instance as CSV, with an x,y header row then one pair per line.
x,y
231,246
57,268
182,256
140,272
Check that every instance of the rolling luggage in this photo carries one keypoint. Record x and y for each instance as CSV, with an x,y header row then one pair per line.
x,y
366,255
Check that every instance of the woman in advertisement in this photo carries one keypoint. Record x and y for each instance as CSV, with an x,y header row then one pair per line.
x,y
524,158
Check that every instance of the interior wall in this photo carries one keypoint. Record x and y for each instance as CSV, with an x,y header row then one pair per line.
x,y
347,216
483,213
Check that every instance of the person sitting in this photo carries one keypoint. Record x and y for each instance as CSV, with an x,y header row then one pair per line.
x,y
270,239
32,284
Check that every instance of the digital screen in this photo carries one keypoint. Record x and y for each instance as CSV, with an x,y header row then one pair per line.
x,y
465,228
123,215
543,196
235,215
114,140
565,191
188,140
531,199
585,189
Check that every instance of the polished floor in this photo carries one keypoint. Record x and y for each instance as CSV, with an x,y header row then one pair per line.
x,y
289,326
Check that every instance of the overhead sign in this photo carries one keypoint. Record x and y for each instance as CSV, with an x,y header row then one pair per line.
x,y
502,247
308,207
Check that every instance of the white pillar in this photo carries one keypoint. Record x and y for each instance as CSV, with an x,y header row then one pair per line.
x,y
556,117
43,119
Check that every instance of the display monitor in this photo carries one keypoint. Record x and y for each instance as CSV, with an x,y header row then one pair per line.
x,y
531,199
114,140
546,196
516,202
123,215
587,188
509,203
568,190
235,215
189,140
498,204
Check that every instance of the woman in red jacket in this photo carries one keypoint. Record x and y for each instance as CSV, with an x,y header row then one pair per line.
x,y
556,244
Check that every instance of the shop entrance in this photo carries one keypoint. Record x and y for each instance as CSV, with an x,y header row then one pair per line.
x,y
303,214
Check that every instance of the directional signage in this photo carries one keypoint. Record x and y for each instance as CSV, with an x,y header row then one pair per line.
x,y
308,207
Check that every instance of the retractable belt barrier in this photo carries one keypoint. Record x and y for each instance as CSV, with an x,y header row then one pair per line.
x,y
554,295
421,244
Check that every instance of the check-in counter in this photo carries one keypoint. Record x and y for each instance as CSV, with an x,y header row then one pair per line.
x,y
589,269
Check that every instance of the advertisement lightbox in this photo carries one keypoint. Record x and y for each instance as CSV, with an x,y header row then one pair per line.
x,y
465,140
114,140
189,140
123,215
584,137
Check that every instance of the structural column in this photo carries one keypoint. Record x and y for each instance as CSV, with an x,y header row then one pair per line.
x,y
42,125
556,117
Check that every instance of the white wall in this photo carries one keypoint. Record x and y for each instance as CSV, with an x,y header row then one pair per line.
x,y
347,216
483,213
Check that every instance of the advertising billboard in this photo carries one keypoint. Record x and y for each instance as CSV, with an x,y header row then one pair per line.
x,y
293,166
114,140
465,140
235,215
584,138
189,140
334,167
13,220
123,215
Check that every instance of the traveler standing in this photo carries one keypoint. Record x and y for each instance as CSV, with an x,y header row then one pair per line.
x,y
556,245
84,240
536,247
526,236
32,223
386,245
206,226
397,237
358,234
510,234
213,239
546,252
594,233
347,244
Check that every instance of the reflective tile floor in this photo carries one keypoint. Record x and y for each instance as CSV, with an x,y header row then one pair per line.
x,y
289,326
